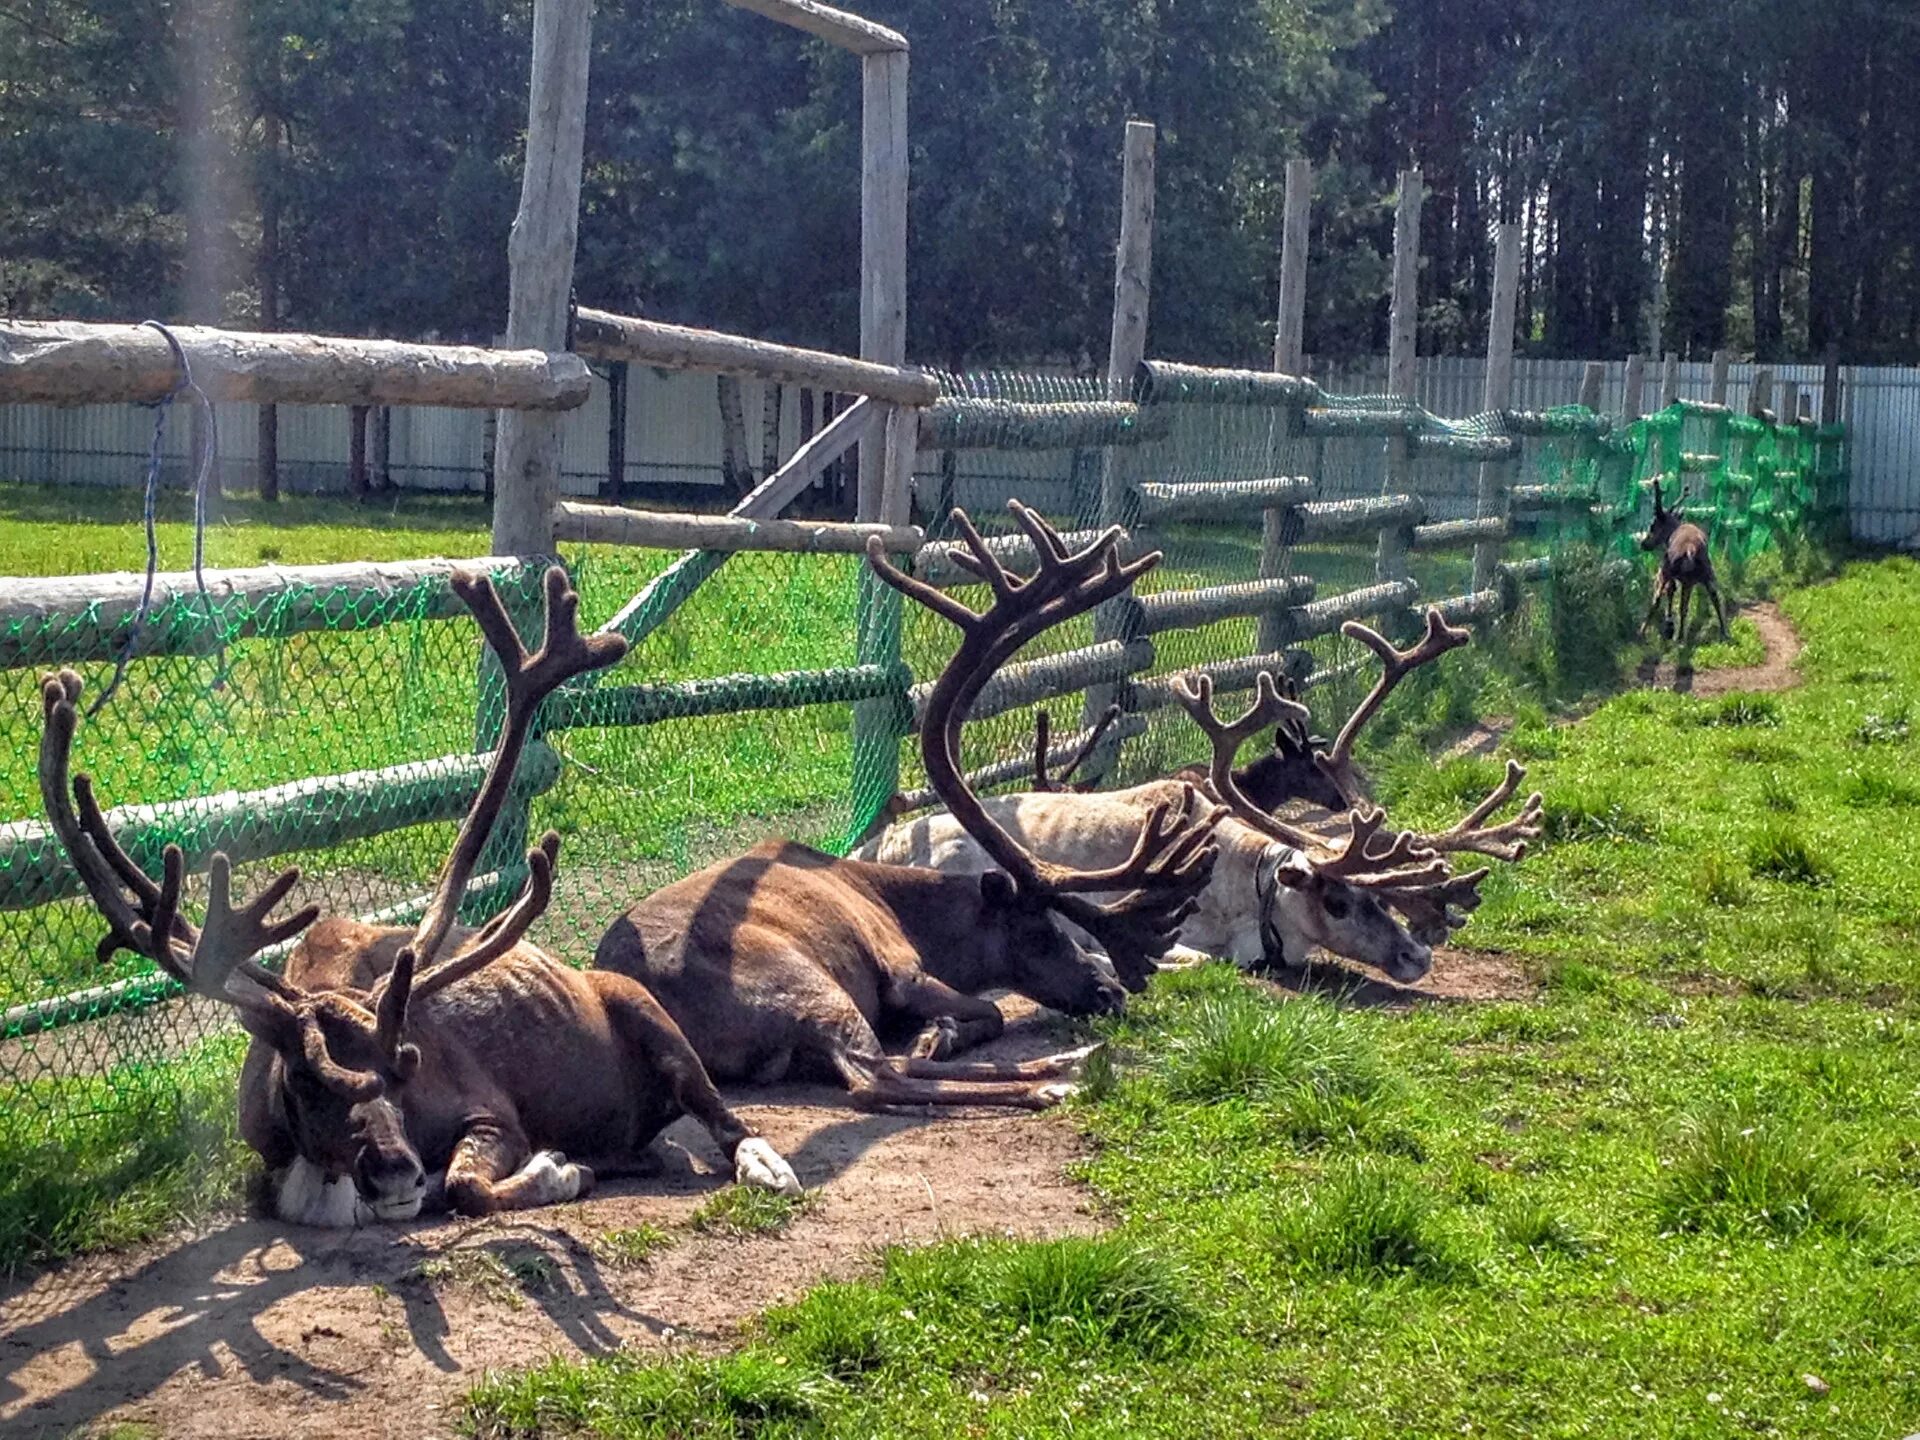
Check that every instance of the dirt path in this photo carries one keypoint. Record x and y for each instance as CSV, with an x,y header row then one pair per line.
x,y
1776,672
255,1329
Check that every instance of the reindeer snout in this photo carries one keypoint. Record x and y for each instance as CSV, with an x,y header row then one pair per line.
x,y
1410,963
392,1184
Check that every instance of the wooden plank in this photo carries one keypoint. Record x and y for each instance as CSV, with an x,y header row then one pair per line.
x,y
261,824
1634,403
1184,609
1323,519
1760,397
1592,378
601,335
902,441
1669,379
1451,534
956,423
1222,499
723,695
1103,662
1167,382
836,27
1322,617
934,563
676,530
64,362
1717,385
74,619
540,257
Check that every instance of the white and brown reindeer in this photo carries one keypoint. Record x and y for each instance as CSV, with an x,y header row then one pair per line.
x,y
390,1066
1685,564
786,954
1277,889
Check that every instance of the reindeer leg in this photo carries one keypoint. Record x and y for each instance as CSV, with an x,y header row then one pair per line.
x,y
494,1168
955,1021
1686,599
666,1055
877,1084
1719,608
1659,594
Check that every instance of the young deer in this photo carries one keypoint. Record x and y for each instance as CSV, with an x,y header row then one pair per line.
x,y
786,953
1684,563
383,1058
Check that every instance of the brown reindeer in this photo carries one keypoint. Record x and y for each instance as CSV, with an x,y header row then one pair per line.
x,y
1289,770
383,1058
786,953
1684,564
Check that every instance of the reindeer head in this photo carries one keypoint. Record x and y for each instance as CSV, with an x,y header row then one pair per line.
x,y
341,1058
1172,858
1665,521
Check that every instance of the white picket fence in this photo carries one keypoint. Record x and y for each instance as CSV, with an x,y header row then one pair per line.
x,y
674,435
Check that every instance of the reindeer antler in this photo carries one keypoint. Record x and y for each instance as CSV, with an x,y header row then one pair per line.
x,y
1172,859
563,654
1505,841
149,921
1042,726
1441,637
1195,694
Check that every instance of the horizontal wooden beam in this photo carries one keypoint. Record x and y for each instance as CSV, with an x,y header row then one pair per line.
x,y
1568,421
1184,609
958,423
1459,534
1337,422
1221,499
836,27
1553,497
1021,766
723,695
65,362
675,530
604,336
1016,685
1323,617
1439,445
1475,606
934,563
1162,382
72,619
1325,519
260,824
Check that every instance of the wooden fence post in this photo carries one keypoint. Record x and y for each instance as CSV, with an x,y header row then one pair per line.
x,y
877,724
616,432
1830,388
1760,397
1494,498
267,465
1669,379
1789,411
357,485
1289,358
1717,391
1633,403
540,254
1132,294
1390,562
1591,380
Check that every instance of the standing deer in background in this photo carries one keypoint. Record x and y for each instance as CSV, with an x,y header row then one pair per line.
x,y
787,953
1684,563
383,1058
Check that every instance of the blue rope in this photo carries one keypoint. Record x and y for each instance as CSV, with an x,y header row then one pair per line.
x,y
183,385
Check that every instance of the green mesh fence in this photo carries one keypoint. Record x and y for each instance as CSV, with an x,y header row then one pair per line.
x,y
772,694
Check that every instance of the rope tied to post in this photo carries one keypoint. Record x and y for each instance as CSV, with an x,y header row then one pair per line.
x,y
202,464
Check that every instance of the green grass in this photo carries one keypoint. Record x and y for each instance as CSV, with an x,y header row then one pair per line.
x,y
1647,1204
742,1210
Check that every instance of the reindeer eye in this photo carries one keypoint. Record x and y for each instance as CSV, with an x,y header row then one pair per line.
x,y
1338,906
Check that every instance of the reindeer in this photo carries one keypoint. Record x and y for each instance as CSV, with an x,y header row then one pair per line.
x,y
786,953
385,1058
1684,563
1289,770
1277,890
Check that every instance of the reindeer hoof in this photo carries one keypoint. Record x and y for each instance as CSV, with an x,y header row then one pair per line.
x,y
556,1179
937,1041
758,1164
1067,1062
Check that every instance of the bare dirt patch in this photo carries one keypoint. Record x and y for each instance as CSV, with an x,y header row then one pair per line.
x,y
1776,672
258,1329
1457,977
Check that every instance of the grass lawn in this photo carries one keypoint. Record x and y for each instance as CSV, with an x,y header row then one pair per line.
x,y
1672,1197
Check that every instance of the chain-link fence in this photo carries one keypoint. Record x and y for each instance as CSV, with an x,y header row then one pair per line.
x,y
334,726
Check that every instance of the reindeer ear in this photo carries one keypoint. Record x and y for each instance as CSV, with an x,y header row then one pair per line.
x,y
1288,867
270,1027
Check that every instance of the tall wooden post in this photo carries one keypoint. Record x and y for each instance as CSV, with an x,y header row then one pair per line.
x,y
357,485
1789,410
1289,358
1830,388
616,432
1717,385
1494,497
1760,397
1634,402
1132,292
1591,380
540,252
1402,332
886,453
1669,379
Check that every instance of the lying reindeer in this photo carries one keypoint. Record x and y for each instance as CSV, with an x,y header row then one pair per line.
x,y
1290,770
786,952
1684,564
1277,890
384,1057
